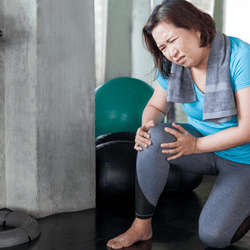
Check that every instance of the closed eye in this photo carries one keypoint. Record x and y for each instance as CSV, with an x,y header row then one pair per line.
x,y
162,48
172,40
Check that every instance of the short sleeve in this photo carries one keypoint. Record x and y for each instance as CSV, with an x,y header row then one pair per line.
x,y
161,80
240,64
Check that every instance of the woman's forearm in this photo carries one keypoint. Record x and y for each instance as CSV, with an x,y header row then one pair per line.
x,y
228,138
234,136
152,113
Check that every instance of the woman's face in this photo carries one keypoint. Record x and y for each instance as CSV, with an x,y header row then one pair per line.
x,y
180,46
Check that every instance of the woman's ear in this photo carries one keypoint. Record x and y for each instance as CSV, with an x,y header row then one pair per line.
x,y
198,33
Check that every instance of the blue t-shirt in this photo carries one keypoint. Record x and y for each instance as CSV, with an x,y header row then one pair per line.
x,y
240,78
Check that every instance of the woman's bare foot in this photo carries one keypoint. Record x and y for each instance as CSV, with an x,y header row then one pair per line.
x,y
140,230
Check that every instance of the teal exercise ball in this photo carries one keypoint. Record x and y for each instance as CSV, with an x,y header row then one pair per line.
x,y
119,104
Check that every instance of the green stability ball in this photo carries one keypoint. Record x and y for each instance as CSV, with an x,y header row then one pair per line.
x,y
119,104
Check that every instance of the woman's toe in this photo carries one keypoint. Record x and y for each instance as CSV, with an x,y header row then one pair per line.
x,y
117,245
114,244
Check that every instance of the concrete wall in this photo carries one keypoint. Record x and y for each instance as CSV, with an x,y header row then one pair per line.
x,y
142,62
49,106
218,14
101,12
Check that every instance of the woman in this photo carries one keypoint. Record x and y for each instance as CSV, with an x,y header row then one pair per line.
x,y
208,73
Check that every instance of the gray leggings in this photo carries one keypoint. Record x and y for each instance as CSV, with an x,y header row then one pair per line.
x,y
228,204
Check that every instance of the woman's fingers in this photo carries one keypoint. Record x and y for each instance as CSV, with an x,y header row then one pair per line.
x,y
142,137
174,157
185,143
140,140
137,147
141,133
174,132
169,151
149,125
179,127
169,145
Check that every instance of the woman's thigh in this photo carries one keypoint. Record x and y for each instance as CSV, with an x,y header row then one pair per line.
x,y
228,204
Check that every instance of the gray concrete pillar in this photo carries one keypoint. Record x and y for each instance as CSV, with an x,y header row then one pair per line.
x,y
49,105
118,51
2,111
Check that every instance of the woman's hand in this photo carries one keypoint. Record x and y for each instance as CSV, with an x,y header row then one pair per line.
x,y
185,143
142,137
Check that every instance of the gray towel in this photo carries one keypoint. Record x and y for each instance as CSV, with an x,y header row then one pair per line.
x,y
219,104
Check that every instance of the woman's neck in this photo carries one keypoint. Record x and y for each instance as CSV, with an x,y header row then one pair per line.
x,y
199,72
202,66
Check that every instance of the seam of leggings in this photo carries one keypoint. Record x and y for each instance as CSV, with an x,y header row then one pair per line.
x,y
143,216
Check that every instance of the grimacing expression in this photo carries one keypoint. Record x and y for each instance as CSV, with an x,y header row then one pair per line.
x,y
180,46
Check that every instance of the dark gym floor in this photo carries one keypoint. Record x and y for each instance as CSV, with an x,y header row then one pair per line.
x,y
174,226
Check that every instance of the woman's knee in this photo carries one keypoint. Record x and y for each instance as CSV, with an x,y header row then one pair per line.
x,y
214,237
152,155
158,134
